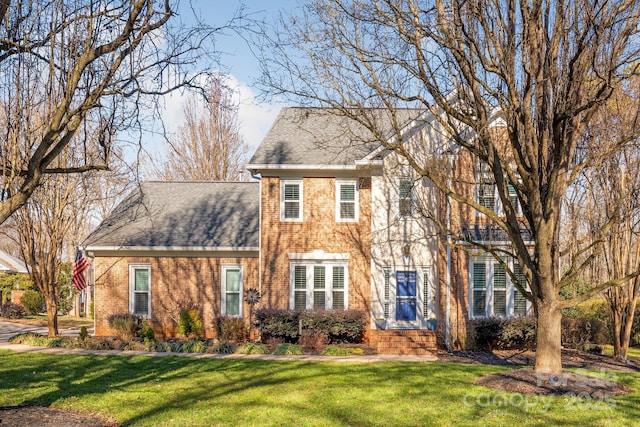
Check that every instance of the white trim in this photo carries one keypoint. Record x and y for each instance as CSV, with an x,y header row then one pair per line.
x,y
422,319
174,248
309,282
301,167
223,289
356,201
132,268
510,289
318,255
300,184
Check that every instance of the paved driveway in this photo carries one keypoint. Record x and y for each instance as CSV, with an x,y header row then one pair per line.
x,y
9,329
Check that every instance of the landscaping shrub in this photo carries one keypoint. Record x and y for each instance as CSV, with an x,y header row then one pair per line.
x,y
518,333
348,326
314,341
83,333
485,333
252,348
225,347
190,323
147,332
288,349
278,324
33,302
593,315
493,333
576,333
11,310
233,329
340,326
126,325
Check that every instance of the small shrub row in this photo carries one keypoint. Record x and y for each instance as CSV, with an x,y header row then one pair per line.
x,y
12,310
33,302
494,333
338,326
126,325
232,329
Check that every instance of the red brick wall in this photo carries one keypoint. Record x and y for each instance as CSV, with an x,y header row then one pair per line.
x,y
174,280
318,231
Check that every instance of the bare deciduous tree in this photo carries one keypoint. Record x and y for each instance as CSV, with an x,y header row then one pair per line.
x,y
208,145
547,67
610,193
84,63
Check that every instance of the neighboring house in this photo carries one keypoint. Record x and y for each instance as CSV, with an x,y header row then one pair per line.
x,y
11,264
335,222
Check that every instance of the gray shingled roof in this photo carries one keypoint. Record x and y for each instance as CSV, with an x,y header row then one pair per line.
x,y
209,215
11,264
319,136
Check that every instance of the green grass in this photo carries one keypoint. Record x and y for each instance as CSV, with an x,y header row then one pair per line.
x,y
176,391
634,352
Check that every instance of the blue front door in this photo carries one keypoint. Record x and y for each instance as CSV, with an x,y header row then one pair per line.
x,y
406,296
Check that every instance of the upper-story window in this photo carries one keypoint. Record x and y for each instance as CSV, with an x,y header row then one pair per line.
x,y
487,191
347,200
405,202
291,200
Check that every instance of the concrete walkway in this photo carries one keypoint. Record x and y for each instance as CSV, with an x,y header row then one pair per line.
x,y
8,329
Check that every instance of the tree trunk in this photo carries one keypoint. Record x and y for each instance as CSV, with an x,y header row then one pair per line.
x,y
617,318
52,314
549,339
625,339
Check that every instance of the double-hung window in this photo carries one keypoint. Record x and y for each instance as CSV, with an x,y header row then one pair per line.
x,y
488,194
232,290
318,286
291,200
140,289
486,187
347,201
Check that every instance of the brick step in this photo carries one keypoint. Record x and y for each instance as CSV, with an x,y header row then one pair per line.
x,y
403,342
404,339
408,351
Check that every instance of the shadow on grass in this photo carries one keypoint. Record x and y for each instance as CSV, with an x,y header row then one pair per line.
x,y
169,390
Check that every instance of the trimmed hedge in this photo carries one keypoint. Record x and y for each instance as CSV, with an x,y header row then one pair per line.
x,y
340,326
494,333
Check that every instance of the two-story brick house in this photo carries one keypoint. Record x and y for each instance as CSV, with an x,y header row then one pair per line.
x,y
334,221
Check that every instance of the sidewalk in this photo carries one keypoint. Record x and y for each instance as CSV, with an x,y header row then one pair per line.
x,y
7,330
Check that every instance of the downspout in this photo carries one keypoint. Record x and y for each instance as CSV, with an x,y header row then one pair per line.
x,y
256,175
447,319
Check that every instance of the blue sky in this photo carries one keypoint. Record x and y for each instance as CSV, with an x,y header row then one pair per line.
x,y
238,62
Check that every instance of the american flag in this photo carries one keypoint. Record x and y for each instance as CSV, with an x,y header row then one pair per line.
x,y
79,266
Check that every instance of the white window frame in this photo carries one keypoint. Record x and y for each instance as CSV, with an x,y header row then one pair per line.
x,y
132,291
485,178
283,202
223,289
309,284
339,201
489,262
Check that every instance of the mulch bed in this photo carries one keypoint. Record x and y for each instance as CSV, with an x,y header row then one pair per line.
x,y
524,381
527,381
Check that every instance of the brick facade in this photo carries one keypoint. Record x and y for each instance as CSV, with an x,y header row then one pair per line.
x,y
175,282
318,231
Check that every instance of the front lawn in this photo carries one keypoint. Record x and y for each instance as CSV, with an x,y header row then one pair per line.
x,y
176,391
